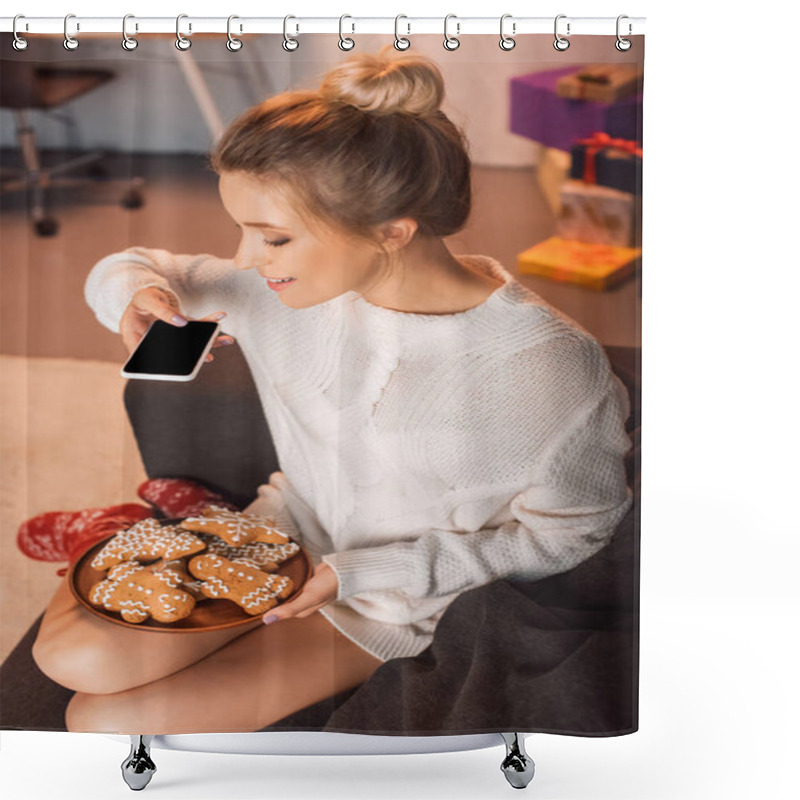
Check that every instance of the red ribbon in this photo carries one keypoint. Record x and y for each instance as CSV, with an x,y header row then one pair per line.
x,y
602,141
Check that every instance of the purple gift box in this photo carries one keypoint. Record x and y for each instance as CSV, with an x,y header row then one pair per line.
x,y
540,114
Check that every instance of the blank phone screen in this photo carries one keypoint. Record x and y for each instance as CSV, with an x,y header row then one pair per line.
x,y
171,350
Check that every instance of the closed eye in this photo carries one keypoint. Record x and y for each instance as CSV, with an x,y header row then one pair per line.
x,y
266,241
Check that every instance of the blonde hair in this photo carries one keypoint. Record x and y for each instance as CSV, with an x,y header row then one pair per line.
x,y
370,145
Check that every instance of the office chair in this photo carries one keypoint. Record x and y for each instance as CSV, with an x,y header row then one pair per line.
x,y
26,85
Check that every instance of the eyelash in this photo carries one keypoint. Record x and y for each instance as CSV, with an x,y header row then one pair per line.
x,y
266,241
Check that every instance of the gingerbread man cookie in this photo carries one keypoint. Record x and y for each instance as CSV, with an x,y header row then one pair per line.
x,y
250,588
264,555
145,541
235,527
179,570
138,592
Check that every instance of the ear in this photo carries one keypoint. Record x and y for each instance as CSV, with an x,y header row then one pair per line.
x,y
398,233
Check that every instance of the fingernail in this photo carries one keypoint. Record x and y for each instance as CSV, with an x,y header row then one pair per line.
x,y
179,320
221,315
268,620
223,342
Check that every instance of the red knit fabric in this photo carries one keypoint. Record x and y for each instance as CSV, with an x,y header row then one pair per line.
x,y
66,535
178,497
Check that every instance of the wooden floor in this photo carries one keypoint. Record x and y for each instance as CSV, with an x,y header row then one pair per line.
x,y
42,310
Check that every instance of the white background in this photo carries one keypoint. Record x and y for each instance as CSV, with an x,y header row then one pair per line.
x,y
720,550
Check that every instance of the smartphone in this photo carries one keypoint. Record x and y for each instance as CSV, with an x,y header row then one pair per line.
x,y
171,353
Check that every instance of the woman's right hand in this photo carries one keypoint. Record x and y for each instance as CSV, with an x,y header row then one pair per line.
x,y
153,303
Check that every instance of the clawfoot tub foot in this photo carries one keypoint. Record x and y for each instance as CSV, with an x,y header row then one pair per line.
x,y
517,766
138,768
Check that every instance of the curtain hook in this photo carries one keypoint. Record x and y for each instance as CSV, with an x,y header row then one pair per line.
x,y
506,42
129,42
345,43
19,43
290,43
561,43
70,43
400,42
623,44
182,43
451,42
233,44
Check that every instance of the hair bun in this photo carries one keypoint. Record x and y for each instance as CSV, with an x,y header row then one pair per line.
x,y
386,82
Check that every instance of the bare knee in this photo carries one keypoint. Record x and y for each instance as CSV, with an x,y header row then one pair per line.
x,y
106,659
77,666
85,715
103,713
66,649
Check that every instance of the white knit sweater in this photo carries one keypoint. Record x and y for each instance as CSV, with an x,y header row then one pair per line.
x,y
421,455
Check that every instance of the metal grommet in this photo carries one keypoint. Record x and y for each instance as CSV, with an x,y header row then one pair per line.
x,y
401,43
506,42
70,43
182,43
19,43
128,42
345,43
623,44
233,44
451,42
290,43
560,43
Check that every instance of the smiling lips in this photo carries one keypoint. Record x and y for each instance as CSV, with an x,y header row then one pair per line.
x,y
279,283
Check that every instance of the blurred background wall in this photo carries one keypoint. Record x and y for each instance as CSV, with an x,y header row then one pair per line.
x,y
150,81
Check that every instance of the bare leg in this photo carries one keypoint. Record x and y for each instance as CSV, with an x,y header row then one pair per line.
x,y
83,652
253,681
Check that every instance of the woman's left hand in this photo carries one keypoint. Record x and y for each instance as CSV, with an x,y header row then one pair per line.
x,y
320,589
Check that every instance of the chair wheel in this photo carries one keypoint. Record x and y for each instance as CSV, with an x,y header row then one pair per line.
x,y
47,226
97,170
132,199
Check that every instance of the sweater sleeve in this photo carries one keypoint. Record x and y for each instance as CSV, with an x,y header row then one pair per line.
x,y
202,283
576,497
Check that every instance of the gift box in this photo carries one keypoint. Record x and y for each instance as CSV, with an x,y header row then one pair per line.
x,y
551,173
598,215
595,266
538,113
603,83
608,161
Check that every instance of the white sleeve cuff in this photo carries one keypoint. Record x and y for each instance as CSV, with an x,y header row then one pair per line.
x,y
111,285
372,568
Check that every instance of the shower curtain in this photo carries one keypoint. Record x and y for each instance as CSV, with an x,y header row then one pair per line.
x,y
467,467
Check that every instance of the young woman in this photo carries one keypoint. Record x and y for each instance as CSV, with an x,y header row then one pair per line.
x,y
438,425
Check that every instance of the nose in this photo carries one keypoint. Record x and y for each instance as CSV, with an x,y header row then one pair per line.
x,y
247,257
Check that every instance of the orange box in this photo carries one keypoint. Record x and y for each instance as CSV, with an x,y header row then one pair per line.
x,y
596,266
600,83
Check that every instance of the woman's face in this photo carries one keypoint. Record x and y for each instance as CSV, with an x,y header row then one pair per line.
x,y
277,243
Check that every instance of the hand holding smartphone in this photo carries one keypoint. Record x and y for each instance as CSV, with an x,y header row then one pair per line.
x,y
163,344
171,353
